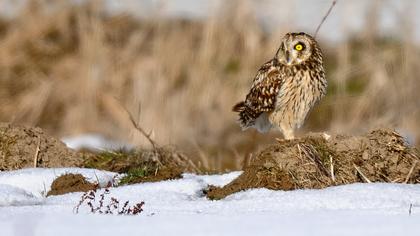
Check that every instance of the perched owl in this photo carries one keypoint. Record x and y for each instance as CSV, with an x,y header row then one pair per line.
x,y
286,87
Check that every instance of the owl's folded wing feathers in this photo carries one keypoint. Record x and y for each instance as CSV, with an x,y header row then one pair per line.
x,y
262,96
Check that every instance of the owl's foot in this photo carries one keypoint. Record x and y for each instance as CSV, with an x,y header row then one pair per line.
x,y
289,135
283,140
288,132
326,136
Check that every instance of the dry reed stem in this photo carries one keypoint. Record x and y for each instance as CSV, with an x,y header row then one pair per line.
x,y
410,172
37,149
299,151
140,129
332,169
325,17
313,156
361,174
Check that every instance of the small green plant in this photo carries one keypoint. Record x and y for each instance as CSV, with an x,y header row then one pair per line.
x,y
134,174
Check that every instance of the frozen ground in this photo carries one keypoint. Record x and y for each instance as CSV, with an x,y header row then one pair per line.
x,y
178,207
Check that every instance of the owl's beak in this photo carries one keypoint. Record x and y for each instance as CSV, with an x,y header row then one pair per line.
x,y
284,56
287,56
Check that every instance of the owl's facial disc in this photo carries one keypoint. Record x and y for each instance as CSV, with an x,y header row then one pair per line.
x,y
295,49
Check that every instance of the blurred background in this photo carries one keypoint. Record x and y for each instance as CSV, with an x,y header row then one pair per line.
x,y
73,67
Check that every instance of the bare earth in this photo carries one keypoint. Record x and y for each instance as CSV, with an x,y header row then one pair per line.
x,y
317,162
19,145
70,183
27,147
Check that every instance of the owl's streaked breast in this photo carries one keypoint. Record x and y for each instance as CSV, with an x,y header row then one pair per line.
x,y
301,90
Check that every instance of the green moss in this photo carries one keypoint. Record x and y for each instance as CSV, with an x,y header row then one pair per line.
x,y
133,164
134,174
139,165
119,161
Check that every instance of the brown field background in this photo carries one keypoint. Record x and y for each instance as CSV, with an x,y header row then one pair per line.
x,y
72,70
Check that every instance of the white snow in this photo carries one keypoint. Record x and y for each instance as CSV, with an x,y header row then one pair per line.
x,y
37,181
14,196
178,207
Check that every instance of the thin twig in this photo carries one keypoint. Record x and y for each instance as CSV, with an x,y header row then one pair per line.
x,y
325,17
332,169
313,156
396,180
97,179
299,151
193,166
37,153
409,209
413,155
361,174
410,172
386,178
139,128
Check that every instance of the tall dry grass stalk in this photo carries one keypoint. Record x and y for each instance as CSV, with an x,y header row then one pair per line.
x,y
67,68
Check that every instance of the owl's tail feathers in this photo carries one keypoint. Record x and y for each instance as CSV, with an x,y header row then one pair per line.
x,y
239,107
247,115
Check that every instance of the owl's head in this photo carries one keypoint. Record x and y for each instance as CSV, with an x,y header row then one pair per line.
x,y
296,48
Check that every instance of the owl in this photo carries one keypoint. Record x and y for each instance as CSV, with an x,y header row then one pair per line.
x,y
285,88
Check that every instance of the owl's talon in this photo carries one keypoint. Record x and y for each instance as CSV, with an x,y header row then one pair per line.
x,y
281,140
326,136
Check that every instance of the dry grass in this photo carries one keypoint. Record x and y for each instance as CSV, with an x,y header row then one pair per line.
x,y
68,69
97,203
379,156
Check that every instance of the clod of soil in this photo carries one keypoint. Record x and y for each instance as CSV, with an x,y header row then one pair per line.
x,y
70,183
23,147
316,161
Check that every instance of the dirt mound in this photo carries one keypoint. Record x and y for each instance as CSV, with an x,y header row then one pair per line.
x,y
144,165
23,147
318,161
70,183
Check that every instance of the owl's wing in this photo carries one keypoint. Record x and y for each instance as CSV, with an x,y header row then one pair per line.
x,y
264,90
262,96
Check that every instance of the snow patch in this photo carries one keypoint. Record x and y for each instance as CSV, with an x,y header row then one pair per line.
x,y
94,142
180,206
37,181
13,196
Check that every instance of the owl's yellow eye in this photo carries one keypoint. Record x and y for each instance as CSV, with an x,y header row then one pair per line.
x,y
299,47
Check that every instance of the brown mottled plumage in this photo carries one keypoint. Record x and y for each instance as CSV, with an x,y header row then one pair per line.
x,y
285,88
